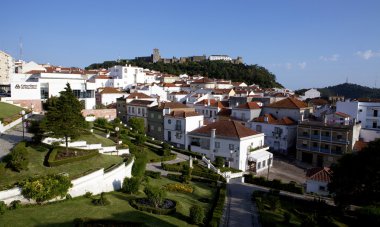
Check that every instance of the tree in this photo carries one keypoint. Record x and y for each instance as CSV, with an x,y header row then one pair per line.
x,y
155,194
131,185
356,177
64,118
18,159
137,124
140,139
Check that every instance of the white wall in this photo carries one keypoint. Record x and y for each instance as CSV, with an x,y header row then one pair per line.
x,y
314,186
95,182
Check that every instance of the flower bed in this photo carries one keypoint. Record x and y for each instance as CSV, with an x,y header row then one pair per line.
x,y
168,206
185,188
58,156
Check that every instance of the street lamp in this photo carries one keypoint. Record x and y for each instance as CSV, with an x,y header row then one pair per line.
x,y
117,138
22,121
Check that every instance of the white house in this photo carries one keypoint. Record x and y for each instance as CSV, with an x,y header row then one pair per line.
x,y
311,94
179,96
210,108
178,123
139,109
126,76
154,91
229,140
108,95
317,180
365,111
288,107
246,111
280,134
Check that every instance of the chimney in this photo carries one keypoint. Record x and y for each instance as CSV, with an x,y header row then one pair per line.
x,y
213,132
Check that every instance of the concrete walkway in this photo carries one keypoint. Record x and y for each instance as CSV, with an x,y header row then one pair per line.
x,y
10,138
156,166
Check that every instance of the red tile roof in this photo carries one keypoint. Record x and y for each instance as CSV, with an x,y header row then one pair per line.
x,y
319,174
225,112
137,102
342,114
248,105
274,121
223,128
183,114
288,103
109,90
138,95
172,105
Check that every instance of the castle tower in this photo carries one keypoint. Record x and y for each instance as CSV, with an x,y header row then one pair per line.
x,y
156,55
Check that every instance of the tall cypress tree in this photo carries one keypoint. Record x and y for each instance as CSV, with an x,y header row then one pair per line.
x,y
64,117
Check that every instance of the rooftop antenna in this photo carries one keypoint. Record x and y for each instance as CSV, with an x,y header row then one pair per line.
x,y
20,47
346,80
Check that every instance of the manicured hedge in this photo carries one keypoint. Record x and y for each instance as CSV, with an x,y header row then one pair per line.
x,y
275,184
217,210
171,167
186,152
174,177
177,187
211,176
80,222
165,158
52,162
153,174
151,209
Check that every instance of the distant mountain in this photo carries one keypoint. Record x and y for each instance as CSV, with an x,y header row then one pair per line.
x,y
350,91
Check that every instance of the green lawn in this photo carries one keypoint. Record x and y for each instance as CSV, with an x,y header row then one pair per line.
x,y
62,214
36,167
8,110
94,138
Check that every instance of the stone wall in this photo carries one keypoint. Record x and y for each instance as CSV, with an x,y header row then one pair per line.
x,y
108,114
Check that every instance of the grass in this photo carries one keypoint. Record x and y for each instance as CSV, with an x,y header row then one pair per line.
x,y
36,166
299,211
8,110
63,214
94,138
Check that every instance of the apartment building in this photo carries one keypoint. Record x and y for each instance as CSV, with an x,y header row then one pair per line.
x,y
6,69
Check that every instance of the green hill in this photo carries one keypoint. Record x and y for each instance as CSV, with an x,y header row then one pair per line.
x,y
350,91
213,69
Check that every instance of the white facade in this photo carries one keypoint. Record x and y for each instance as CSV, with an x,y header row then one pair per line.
x,y
367,113
126,76
154,91
317,187
6,68
176,128
311,94
245,114
109,98
44,85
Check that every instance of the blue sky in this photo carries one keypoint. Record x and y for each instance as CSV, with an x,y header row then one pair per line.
x,y
304,43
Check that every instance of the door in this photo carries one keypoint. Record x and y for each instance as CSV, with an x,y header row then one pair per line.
x,y
169,136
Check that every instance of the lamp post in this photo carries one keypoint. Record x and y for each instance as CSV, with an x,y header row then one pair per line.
x,y
22,121
117,138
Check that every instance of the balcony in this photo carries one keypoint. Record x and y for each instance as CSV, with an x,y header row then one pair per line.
x,y
315,137
304,136
198,149
337,152
324,150
302,147
314,149
326,138
341,141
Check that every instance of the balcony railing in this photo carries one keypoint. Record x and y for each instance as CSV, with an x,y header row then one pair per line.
x,y
301,147
306,136
314,149
324,150
326,138
315,137
342,141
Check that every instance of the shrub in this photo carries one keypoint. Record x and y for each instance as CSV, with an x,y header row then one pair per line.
x,y
18,158
217,210
45,188
369,215
179,188
140,139
15,204
68,196
274,184
174,177
137,124
219,161
155,210
186,174
165,158
53,162
3,207
274,202
102,201
88,194
171,167
101,122
131,185
154,194
138,168
197,214
211,176
153,174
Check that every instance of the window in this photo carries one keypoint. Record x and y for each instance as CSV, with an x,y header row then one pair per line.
x,y
231,146
375,113
315,132
258,128
322,188
263,163
133,110
374,124
339,137
269,161
169,121
152,115
143,112
159,116
338,148
217,144
259,165
315,144
159,129
152,127
138,111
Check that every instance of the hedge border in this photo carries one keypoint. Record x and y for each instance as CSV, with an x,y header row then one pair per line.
x,y
52,162
217,209
153,210
274,184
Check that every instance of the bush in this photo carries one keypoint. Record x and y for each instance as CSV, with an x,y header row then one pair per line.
x,y
53,162
131,185
68,196
140,139
274,202
154,194
45,188
287,217
174,177
197,214
15,204
101,122
18,159
274,184
153,174
138,168
88,195
155,210
185,188
102,201
163,159
369,216
3,207
211,176
137,124
217,210
171,167
219,161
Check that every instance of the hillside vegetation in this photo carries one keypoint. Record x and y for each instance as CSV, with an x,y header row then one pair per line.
x,y
350,91
250,74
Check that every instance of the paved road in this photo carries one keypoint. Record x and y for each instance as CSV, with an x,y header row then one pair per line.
x,y
156,166
240,210
10,138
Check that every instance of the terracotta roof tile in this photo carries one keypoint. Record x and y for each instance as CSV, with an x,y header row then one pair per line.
x,y
274,121
342,114
248,105
319,174
172,105
109,90
229,129
225,112
288,103
138,95
137,102
183,114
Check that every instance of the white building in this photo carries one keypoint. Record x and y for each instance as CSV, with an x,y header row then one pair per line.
x,y
154,91
311,94
219,58
210,108
280,134
179,96
317,180
6,68
246,111
28,88
108,95
178,123
126,76
288,107
366,112
227,139
139,109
